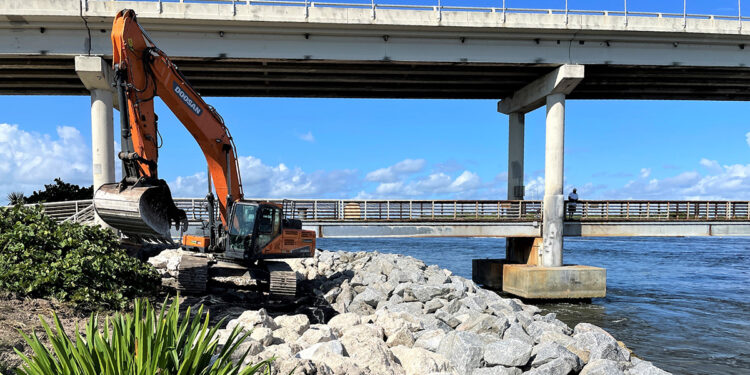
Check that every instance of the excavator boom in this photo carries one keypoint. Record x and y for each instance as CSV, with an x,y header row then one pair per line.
x,y
141,205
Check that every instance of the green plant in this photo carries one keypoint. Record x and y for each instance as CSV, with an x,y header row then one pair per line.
x,y
71,262
15,198
139,343
61,191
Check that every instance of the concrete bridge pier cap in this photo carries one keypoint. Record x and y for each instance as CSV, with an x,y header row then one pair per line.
x,y
534,267
97,77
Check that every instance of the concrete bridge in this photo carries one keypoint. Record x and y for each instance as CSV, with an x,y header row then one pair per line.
x,y
527,58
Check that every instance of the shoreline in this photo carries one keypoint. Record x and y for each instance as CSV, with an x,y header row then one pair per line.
x,y
383,313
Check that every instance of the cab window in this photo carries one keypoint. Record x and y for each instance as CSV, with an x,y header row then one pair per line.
x,y
269,225
242,225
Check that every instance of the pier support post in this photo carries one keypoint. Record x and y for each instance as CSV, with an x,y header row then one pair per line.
x,y
533,267
96,76
554,201
515,155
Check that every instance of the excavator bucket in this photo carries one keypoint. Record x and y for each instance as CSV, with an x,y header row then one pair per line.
x,y
142,213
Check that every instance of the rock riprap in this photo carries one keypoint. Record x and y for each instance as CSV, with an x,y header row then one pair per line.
x,y
396,315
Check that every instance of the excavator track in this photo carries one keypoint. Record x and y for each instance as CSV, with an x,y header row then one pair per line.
x,y
282,280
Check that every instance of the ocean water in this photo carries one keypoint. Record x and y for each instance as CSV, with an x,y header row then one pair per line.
x,y
682,303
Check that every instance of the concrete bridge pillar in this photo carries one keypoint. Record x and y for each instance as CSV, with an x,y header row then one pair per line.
x,y
515,155
97,77
533,267
554,200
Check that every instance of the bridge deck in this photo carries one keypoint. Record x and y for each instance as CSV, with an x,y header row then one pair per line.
x,y
319,49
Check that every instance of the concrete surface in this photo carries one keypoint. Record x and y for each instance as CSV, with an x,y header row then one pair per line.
x,y
262,50
566,282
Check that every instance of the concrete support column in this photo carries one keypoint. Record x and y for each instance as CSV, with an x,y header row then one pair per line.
x,y
554,202
96,76
515,155
102,137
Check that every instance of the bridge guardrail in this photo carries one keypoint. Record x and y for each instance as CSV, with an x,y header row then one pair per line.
x,y
438,8
321,210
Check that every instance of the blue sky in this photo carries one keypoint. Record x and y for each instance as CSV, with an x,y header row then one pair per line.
x,y
346,148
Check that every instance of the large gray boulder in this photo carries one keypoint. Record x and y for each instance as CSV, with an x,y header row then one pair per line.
x,y
321,351
554,357
418,361
370,296
298,323
315,334
641,367
430,340
370,352
509,353
604,367
464,350
591,342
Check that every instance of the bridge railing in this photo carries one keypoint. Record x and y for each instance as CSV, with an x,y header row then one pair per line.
x,y
457,210
438,8
658,210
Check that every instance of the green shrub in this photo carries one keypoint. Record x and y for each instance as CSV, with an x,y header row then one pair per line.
x,y
139,343
71,262
60,191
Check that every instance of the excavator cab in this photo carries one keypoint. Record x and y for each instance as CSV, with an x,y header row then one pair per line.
x,y
258,230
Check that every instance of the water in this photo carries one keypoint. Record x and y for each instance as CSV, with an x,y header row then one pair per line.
x,y
682,303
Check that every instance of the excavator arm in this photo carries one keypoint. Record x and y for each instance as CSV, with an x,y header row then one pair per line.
x,y
141,204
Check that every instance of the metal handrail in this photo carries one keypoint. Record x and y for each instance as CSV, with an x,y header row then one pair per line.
x,y
438,8
361,210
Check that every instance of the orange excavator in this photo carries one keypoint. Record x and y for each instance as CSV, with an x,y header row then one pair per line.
x,y
141,204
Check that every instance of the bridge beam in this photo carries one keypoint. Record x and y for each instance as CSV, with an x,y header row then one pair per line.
x,y
97,77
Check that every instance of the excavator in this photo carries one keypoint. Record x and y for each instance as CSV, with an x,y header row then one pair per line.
x,y
141,207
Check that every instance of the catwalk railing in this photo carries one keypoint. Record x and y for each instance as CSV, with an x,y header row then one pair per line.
x,y
339,210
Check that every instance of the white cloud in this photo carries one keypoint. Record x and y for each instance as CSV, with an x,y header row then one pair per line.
x,y
260,180
721,182
392,173
28,160
645,172
747,138
307,137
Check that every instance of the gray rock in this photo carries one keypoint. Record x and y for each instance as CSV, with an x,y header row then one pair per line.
x,y
425,293
430,340
509,353
543,354
485,323
402,337
432,305
641,367
418,361
464,350
315,334
537,328
414,308
298,323
604,367
591,342
321,350
474,303
558,366
250,346
497,370
369,351
370,296
515,331
343,321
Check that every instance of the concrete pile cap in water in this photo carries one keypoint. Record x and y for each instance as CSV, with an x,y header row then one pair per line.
x,y
397,315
